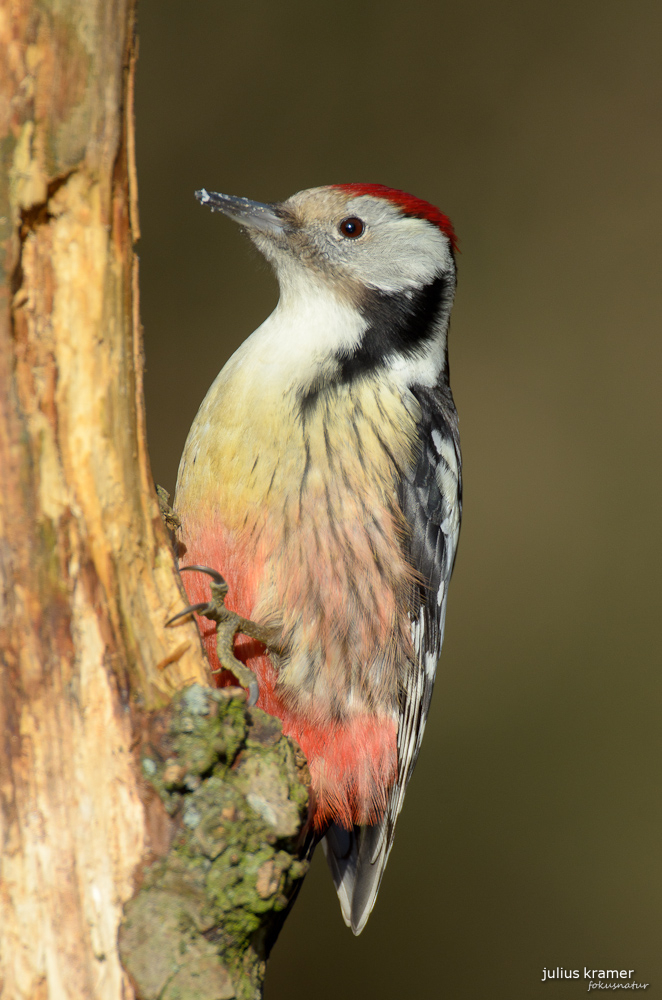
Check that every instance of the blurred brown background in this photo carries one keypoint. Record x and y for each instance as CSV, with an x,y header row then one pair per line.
x,y
531,832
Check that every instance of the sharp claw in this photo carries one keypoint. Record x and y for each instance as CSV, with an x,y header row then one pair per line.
x,y
240,672
187,611
213,573
253,693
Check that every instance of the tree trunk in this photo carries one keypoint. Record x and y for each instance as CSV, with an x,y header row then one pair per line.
x,y
87,574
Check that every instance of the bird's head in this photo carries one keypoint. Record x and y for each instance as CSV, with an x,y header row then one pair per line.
x,y
385,255
347,235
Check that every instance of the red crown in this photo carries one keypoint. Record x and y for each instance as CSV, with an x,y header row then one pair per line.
x,y
410,205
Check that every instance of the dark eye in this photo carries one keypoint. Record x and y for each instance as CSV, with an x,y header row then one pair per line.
x,y
352,228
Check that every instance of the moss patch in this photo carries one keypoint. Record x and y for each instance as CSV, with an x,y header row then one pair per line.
x,y
237,796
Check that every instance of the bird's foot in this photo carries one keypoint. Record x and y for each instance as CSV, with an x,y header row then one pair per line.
x,y
228,623
172,522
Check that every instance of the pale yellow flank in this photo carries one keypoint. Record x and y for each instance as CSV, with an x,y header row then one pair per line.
x,y
309,498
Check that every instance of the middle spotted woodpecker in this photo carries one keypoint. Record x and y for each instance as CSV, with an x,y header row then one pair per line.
x,y
322,478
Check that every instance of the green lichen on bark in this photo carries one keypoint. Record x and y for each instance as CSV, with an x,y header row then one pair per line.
x,y
236,790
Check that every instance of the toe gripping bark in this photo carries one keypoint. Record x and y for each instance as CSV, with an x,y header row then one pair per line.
x,y
228,623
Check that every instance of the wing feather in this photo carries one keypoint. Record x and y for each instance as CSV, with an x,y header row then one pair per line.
x,y
430,497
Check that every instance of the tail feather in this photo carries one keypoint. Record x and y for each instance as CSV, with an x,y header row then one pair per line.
x,y
357,859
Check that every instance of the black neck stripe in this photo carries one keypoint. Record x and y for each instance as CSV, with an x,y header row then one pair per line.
x,y
400,323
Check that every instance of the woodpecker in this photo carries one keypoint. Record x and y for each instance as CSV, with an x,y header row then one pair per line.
x,y
322,477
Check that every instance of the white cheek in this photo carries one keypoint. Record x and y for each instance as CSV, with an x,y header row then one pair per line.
x,y
401,254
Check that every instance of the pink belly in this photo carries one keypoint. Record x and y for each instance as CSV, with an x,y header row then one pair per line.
x,y
352,763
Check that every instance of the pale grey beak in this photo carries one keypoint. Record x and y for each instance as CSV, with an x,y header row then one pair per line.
x,y
252,214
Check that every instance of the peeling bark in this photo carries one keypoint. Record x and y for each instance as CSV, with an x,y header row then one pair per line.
x,y
87,574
